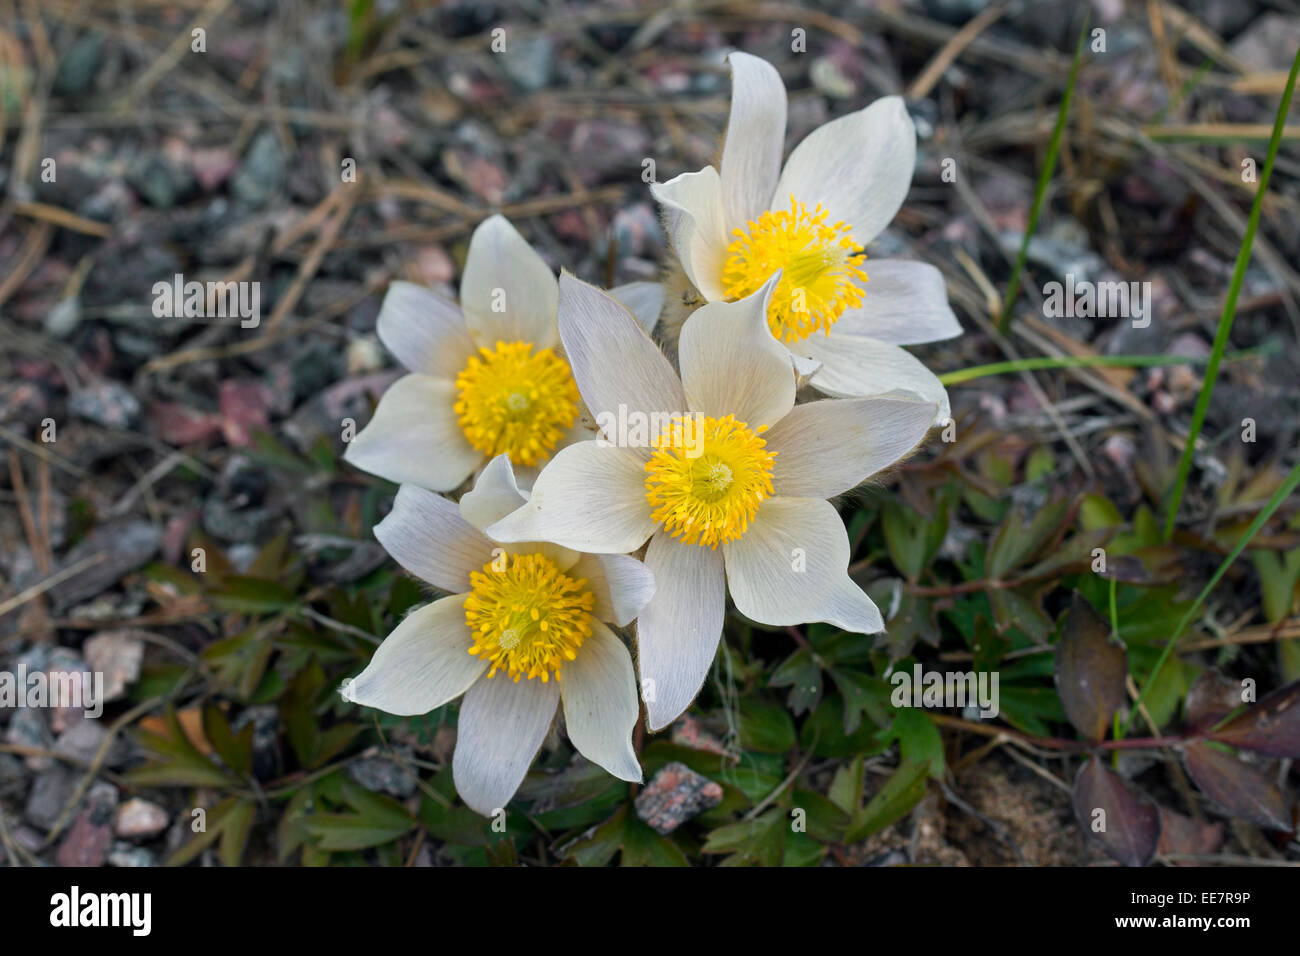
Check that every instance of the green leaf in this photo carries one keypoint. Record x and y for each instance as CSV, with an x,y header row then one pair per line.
x,y
235,750
803,676
598,845
234,832
765,727
901,792
760,840
642,846
918,739
248,595
825,821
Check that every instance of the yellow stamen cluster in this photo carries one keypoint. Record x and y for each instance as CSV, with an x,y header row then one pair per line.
x,y
820,264
707,477
515,401
527,617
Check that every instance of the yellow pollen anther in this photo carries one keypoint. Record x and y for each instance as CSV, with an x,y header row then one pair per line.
x,y
529,618
820,265
707,477
515,401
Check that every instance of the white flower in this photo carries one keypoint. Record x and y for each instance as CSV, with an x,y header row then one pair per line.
x,y
519,615
839,189
727,458
486,378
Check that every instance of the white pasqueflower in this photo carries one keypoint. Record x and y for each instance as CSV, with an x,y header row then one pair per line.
x,y
720,456
518,615
811,219
486,377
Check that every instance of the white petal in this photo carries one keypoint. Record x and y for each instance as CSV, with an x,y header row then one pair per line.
x,y
423,664
859,167
825,448
791,567
426,534
622,585
600,703
679,630
501,727
751,155
697,227
904,303
414,438
495,494
645,300
614,362
426,332
731,364
854,366
503,270
591,497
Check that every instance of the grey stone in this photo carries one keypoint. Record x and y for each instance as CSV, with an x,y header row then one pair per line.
x,y
261,175
118,656
126,545
382,773
50,793
138,819
126,855
109,404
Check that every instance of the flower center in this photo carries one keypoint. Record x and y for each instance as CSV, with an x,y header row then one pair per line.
x,y
707,477
515,401
528,618
820,265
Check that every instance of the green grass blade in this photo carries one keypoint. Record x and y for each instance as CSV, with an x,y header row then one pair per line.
x,y
1229,306
1282,493
1087,361
1044,179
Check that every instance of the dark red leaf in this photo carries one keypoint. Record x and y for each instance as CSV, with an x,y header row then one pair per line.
x,y
178,425
1211,697
245,406
1270,727
1183,836
1116,814
1090,670
1241,790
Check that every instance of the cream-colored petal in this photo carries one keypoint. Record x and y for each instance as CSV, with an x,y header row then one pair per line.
x,y
619,370
600,703
501,727
645,300
731,364
423,664
622,585
679,630
824,448
508,292
696,221
858,167
751,154
903,303
791,567
425,331
414,438
426,534
590,498
495,494
854,366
